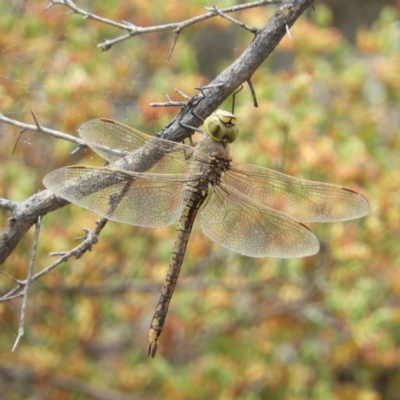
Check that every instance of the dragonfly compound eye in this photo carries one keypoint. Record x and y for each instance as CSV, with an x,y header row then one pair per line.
x,y
221,126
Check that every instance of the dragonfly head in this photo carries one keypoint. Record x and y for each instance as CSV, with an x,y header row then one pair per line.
x,y
221,126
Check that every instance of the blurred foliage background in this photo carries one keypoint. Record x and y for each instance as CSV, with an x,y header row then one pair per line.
x,y
322,327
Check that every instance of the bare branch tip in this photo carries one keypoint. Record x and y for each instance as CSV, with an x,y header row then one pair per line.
x,y
18,282
105,46
57,254
185,96
288,31
20,334
168,98
40,128
16,142
79,147
177,32
51,4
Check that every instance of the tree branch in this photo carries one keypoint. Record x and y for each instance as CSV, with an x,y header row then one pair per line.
x,y
26,287
267,38
91,238
24,215
39,128
134,30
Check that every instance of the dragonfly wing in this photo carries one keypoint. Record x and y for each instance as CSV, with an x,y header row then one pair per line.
x,y
302,200
121,196
123,145
238,224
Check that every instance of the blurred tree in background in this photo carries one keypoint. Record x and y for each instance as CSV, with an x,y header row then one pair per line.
x,y
322,327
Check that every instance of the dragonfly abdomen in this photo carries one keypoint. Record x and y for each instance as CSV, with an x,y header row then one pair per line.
x,y
184,229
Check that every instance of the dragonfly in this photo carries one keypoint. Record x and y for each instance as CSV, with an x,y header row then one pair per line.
x,y
151,182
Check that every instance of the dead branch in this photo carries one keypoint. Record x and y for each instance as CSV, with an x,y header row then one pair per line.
x,y
176,27
39,128
91,238
25,214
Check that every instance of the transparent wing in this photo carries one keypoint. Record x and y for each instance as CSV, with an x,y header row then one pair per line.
x,y
302,200
121,196
238,224
122,145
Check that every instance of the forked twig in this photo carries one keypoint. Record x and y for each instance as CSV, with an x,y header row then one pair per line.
x,y
91,238
222,14
169,103
39,128
26,212
176,27
253,92
172,103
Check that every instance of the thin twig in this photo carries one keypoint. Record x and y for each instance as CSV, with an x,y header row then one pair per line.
x,y
11,294
288,31
219,12
10,277
253,92
28,282
287,25
185,96
134,30
91,238
177,32
39,128
16,142
169,103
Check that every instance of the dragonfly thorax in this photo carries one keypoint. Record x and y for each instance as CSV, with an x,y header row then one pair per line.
x,y
218,160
